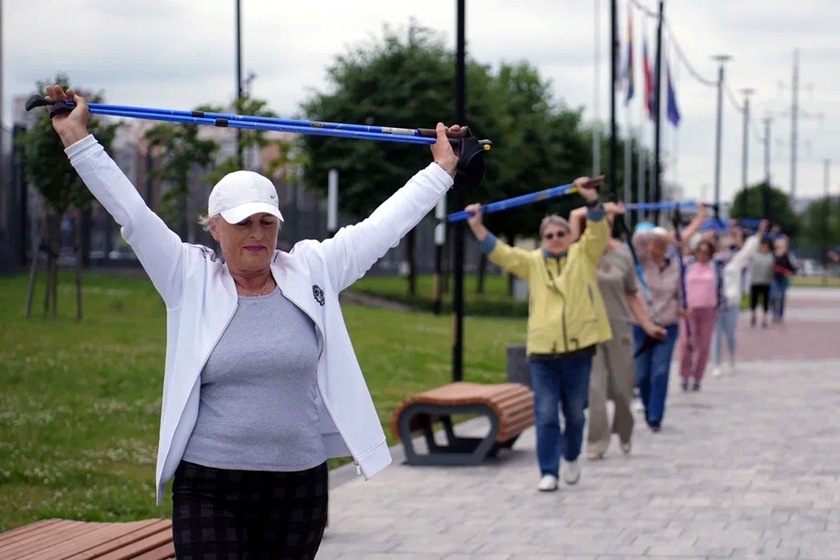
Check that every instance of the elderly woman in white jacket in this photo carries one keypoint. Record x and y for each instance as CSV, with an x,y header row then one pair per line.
x,y
732,292
261,383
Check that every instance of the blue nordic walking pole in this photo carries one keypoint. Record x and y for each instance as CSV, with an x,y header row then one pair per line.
x,y
224,120
146,112
525,199
660,205
684,299
469,172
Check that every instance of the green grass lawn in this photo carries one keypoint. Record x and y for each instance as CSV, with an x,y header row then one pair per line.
x,y
816,281
80,401
495,300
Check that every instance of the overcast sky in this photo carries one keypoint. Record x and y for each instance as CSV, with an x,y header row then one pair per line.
x,y
179,53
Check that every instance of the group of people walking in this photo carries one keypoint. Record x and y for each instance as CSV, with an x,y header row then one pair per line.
x,y
261,383
606,316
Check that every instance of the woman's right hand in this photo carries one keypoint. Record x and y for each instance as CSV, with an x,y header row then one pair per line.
x,y
71,127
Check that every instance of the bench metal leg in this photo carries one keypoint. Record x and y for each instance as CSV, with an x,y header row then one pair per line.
x,y
466,451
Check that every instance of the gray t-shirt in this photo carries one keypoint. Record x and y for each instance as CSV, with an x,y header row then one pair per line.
x,y
761,270
616,278
257,408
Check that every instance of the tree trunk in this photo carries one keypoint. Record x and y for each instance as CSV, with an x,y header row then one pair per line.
x,y
78,252
84,241
53,243
33,270
412,263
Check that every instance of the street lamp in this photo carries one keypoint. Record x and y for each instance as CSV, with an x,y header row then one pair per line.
x,y
745,150
721,59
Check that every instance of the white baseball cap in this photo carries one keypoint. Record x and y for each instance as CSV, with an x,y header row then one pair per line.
x,y
241,194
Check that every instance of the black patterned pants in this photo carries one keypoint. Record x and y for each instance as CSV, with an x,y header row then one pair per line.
x,y
221,514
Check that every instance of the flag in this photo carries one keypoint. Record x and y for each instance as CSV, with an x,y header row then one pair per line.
x,y
648,78
673,110
628,68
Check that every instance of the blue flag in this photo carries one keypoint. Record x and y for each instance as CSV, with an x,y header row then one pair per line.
x,y
673,109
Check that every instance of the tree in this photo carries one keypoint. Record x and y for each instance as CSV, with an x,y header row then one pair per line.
x,y
252,140
48,169
180,150
765,201
821,226
403,81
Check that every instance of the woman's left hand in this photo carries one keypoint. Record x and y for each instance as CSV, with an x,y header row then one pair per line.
x,y
442,151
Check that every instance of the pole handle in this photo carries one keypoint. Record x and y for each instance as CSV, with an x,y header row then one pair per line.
x,y
432,133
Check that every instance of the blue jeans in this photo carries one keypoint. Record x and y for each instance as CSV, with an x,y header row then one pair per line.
x,y
653,367
777,297
726,326
559,382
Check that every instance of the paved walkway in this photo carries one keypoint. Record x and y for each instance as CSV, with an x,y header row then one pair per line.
x,y
747,468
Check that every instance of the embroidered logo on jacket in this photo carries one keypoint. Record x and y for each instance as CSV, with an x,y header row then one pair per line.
x,y
318,294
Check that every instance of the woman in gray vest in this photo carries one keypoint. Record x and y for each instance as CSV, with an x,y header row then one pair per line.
x,y
612,367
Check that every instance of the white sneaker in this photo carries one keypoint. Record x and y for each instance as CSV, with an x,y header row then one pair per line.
x,y
548,483
716,371
638,405
571,472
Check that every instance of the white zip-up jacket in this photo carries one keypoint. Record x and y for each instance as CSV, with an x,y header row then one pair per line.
x,y
201,298
733,271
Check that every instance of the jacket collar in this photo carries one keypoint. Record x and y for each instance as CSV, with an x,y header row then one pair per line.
x,y
547,255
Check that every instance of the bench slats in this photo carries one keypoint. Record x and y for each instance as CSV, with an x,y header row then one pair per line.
x,y
163,552
157,526
17,532
35,541
512,403
59,539
138,547
83,539
93,537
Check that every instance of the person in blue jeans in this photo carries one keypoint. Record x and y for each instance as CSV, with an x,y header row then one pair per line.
x,y
784,266
662,275
566,322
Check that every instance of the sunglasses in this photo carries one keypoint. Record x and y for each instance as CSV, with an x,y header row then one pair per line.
x,y
551,235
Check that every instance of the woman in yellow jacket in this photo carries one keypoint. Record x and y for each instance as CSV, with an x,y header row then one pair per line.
x,y
566,321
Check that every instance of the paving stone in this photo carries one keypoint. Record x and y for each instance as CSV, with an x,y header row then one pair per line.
x,y
745,468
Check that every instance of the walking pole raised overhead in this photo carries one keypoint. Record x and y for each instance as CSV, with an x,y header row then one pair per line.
x,y
470,171
525,199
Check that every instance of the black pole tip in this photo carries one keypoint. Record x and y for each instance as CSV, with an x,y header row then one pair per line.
x,y
36,101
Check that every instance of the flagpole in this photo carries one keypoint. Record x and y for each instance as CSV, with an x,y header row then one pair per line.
x,y
676,140
628,141
657,106
613,172
596,86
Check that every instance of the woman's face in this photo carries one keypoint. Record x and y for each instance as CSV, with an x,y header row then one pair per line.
x,y
657,248
249,245
556,239
703,253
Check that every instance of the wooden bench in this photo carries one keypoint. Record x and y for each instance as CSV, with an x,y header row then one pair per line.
x,y
508,406
59,539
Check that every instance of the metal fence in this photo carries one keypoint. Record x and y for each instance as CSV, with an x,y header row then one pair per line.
x,y
22,214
